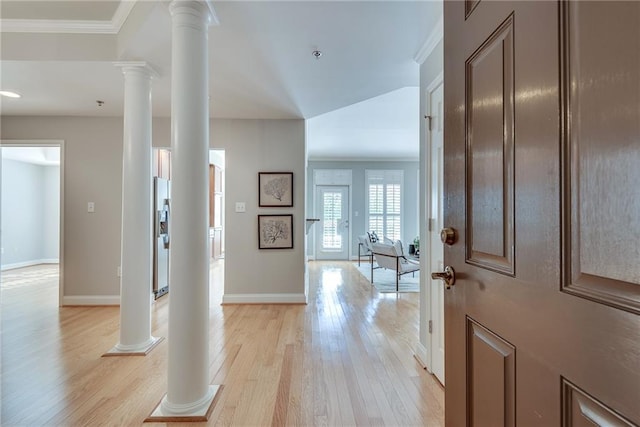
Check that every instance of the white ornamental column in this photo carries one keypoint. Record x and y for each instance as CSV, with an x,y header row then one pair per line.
x,y
136,255
189,395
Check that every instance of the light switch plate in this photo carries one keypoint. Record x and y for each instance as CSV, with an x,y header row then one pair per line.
x,y
241,207
91,207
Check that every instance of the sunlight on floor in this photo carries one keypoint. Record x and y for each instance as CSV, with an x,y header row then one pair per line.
x,y
331,279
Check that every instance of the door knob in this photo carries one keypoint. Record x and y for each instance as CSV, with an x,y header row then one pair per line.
x,y
448,236
448,276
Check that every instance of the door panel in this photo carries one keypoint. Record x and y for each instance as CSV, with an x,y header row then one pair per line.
x,y
582,410
491,378
603,152
572,95
490,186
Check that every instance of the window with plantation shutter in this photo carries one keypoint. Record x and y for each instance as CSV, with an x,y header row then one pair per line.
x,y
384,202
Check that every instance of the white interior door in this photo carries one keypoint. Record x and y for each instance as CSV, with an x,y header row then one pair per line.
x,y
436,259
332,233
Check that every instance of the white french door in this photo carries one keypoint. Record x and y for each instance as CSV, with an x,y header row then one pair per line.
x,y
332,233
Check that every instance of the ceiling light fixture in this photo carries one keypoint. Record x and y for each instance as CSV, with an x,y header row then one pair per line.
x,y
317,53
9,94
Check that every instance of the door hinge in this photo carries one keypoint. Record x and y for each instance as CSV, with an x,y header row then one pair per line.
x,y
430,326
429,119
432,224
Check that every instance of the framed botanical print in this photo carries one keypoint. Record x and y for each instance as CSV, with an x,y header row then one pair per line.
x,y
275,231
275,189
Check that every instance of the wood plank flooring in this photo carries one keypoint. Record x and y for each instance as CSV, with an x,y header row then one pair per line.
x,y
346,358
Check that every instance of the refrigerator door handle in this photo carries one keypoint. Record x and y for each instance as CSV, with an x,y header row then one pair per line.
x,y
166,210
157,224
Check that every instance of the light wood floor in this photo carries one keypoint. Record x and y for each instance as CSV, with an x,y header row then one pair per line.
x,y
346,358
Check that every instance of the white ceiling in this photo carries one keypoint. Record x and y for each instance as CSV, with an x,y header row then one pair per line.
x,y
46,156
261,63
387,126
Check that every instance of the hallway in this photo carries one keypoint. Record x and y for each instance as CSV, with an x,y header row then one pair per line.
x,y
346,358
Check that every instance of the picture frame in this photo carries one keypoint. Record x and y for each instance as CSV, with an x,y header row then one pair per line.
x,y
275,231
275,189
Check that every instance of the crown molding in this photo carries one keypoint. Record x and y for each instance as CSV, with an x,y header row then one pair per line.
x,y
57,26
61,26
431,42
122,13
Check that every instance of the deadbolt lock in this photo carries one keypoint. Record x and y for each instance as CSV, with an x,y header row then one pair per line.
x,y
448,236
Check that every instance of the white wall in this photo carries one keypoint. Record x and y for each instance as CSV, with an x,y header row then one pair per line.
x,y
51,212
93,172
252,146
22,213
30,213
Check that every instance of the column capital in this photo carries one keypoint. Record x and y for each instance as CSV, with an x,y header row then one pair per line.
x,y
204,8
142,67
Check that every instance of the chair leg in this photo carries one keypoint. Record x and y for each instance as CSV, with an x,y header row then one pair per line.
x,y
371,269
397,273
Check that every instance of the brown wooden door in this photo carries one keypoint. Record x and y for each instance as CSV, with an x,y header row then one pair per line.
x,y
542,170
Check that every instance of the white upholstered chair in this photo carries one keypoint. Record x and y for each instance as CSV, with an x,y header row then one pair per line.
x,y
390,257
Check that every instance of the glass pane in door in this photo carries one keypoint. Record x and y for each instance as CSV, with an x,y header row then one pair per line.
x,y
332,216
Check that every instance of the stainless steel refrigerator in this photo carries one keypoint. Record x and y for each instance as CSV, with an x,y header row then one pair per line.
x,y
161,241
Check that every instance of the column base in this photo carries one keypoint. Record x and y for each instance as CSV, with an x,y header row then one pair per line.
x,y
201,413
142,351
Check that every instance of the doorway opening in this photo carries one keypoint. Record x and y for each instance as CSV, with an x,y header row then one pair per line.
x,y
217,164
31,217
162,201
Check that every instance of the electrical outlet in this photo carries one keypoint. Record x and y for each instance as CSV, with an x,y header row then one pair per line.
x,y
91,207
241,207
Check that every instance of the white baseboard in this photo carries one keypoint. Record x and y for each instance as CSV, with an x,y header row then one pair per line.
x,y
29,263
91,300
264,299
421,355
